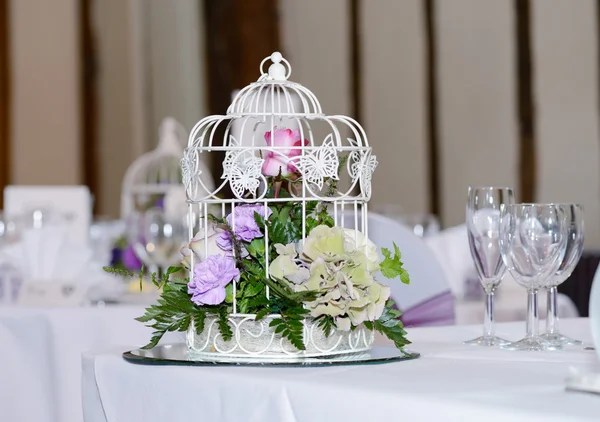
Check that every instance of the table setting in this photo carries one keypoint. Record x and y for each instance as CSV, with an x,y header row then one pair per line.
x,y
272,292
284,303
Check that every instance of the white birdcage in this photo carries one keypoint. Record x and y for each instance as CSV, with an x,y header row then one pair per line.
x,y
333,152
157,173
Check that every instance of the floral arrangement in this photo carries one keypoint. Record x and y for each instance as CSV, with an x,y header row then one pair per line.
x,y
329,275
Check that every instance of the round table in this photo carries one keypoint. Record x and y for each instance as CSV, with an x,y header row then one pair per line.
x,y
450,382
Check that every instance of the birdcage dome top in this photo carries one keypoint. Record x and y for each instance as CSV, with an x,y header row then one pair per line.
x,y
275,93
276,125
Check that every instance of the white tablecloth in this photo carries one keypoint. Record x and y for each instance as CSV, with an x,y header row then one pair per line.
x,y
450,382
40,356
509,306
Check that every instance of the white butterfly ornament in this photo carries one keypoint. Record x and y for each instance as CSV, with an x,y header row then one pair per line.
x,y
322,163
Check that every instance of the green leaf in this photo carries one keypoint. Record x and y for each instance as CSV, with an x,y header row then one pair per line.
x,y
123,272
256,248
391,267
229,293
262,313
290,330
199,320
215,219
284,214
283,232
260,220
390,325
223,323
327,324
253,288
172,312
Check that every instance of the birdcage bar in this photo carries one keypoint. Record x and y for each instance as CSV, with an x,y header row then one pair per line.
x,y
270,104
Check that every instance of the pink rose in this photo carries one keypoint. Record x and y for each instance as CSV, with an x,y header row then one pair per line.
x,y
280,160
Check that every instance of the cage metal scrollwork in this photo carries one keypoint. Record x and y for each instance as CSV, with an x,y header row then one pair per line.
x,y
332,148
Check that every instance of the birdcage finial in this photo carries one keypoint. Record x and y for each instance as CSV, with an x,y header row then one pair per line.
x,y
277,71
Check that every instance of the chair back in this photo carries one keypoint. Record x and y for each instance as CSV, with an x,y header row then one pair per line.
x,y
428,300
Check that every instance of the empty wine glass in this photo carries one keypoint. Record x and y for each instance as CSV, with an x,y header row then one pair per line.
x,y
532,242
574,220
135,227
164,236
157,237
483,228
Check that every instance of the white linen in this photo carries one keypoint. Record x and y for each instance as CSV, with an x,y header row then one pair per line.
x,y
40,356
72,201
450,382
510,305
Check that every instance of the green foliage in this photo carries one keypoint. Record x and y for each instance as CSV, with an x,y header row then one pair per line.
x,y
229,293
327,324
223,323
391,267
216,220
120,271
289,322
256,248
173,311
251,292
283,232
291,328
390,325
282,291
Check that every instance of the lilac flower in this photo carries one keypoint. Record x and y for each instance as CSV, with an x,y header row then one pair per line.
x,y
207,286
130,259
246,227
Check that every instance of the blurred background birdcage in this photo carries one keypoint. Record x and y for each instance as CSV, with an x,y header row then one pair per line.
x,y
153,197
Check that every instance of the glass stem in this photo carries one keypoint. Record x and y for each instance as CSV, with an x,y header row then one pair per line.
x,y
488,323
532,314
552,311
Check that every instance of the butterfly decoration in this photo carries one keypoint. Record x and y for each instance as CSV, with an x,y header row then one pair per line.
x,y
188,173
242,169
363,168
319,165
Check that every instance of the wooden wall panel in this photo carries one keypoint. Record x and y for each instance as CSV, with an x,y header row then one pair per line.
x,y
45,87
476,79
4,98
566,63
315,39
394,102
175,45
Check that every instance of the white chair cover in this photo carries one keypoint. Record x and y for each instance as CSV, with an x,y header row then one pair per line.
x,y
428,300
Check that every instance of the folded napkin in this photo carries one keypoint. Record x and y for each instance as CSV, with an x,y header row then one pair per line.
x,y
52,268
438,310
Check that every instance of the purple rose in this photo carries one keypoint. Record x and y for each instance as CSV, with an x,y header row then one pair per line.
x,y
246,227
130,259
207,286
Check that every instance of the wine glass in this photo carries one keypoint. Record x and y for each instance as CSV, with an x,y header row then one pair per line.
x,y
164,236
135,238
532,243
483,228
157,237
574,219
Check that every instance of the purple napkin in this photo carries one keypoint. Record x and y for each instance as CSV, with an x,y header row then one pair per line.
x,y
437,310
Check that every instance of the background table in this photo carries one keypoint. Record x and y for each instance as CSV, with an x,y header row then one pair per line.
x,y
40,356
451,382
